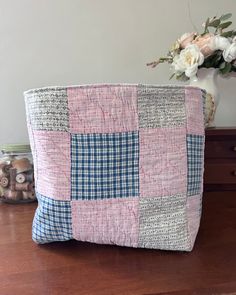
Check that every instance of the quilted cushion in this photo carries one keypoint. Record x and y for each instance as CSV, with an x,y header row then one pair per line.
x,y
118,164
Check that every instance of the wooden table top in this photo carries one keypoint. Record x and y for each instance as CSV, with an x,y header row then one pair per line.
x,y
82,268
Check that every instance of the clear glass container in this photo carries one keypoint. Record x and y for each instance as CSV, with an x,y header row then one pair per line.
x,y
16,174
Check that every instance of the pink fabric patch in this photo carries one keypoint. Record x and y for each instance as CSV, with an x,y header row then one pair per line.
x,y
163,162
102,109
110,221
51,152
194,205
194,111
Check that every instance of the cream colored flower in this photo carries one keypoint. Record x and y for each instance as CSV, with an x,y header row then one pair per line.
x,y
191,71
229,53
188,61
219,43
175,46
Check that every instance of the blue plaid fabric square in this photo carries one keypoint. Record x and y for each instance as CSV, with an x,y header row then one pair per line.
x,y
104,165
195,152
52,221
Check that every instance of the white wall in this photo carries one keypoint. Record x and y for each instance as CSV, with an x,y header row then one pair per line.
x,y
61,42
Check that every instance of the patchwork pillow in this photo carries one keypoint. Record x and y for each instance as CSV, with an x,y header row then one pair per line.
x,y
118,164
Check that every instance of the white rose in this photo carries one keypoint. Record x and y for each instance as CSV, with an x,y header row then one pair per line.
x,y
219,43
177,65
191,71
188,61
229,53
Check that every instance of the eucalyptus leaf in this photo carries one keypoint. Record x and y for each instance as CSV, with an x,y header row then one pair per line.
x,y
178,77
222,65
225,25
229,67
228,34
215,23
225,16
226,69
182,77
172,76
207,22
206,26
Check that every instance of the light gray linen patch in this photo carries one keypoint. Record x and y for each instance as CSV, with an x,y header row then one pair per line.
x,y
161,106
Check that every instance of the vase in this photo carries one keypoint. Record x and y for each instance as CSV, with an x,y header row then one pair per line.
x,y
207,79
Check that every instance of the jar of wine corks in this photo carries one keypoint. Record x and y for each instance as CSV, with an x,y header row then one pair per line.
x,y
16,174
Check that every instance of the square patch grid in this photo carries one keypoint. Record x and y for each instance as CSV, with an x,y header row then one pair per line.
x,y
195,155
104,165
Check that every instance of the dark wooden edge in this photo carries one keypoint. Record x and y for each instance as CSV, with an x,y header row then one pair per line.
x,y
221,131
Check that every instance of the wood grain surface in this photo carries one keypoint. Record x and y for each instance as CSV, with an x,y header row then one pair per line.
x,y
82,268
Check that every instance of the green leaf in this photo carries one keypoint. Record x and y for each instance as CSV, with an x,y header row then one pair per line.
x,y
207,22
226,69
215,23
225,25
182,77
222,65
205,32
225,16
172,76
228,34
206,26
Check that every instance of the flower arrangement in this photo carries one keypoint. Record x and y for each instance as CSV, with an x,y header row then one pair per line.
x,y
214,48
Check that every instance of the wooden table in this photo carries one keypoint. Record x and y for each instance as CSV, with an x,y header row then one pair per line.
x,y
82,268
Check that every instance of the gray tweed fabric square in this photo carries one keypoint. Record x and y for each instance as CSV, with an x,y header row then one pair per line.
x,y
163,223
161,106
47,109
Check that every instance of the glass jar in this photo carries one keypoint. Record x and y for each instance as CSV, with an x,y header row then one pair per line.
x,y
16,174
